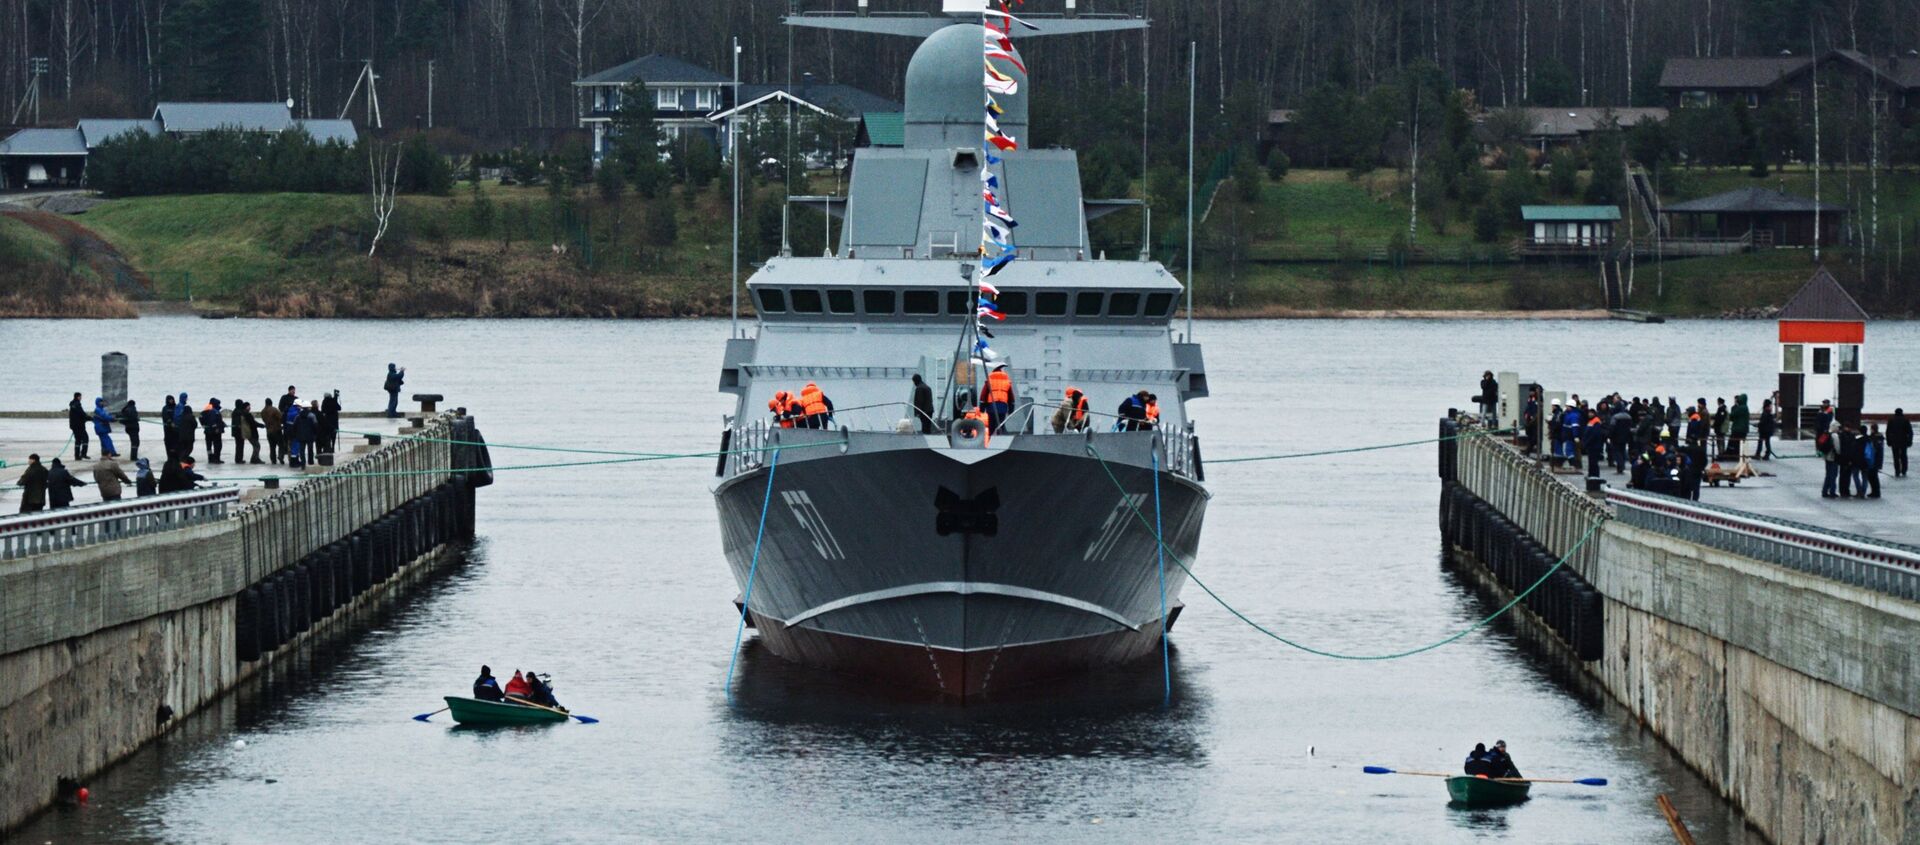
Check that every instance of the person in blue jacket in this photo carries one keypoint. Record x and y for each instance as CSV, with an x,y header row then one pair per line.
x,y
291,426
214,423
396,376
103,427
1572,425
185,426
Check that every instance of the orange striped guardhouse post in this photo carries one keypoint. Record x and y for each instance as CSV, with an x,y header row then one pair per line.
x,y
1822,330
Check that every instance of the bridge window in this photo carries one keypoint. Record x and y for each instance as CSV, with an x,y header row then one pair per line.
x,y
1124,305
1012,303
1051,303
1088,303
921,302
878,301
806,301
1159,304
772,301
840,301
958,302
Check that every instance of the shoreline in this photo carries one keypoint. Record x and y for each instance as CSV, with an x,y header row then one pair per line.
x,y
162,308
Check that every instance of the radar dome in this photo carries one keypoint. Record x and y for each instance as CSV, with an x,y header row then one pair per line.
x,y
946,100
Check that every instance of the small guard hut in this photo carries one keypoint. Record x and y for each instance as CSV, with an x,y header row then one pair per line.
x,y
1822,330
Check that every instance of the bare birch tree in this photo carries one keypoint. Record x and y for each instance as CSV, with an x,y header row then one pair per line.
x,y
383,181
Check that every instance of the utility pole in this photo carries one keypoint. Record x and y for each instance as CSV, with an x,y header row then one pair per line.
x,y
1813,52
733,153
36,68
1193,54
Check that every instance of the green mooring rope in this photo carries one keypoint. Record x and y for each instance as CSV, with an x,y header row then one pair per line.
x,y
1321,652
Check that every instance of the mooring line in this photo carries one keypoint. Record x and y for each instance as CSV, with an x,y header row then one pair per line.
x,y
1160,551
753,569
1161,542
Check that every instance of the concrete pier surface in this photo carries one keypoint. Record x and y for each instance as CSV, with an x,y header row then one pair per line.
x,y
1788,487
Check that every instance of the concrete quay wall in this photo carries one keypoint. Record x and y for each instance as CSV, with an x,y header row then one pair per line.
x,y
1798,697
104,647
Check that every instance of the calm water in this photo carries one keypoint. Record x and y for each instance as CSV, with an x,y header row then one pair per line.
x,y
611,579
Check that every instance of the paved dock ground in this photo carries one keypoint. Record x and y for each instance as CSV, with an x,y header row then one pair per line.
x,y
1789,488
47,437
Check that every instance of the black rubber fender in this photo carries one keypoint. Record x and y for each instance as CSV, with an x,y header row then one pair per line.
x,y
246,625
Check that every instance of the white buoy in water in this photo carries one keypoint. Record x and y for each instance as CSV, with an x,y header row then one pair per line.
x,y
239,744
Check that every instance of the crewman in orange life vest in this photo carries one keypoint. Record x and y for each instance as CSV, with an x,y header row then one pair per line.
x,y
785,408
980,416
816,407
1153,411
999,396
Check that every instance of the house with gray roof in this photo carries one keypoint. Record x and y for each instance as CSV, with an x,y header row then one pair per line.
x,y
682,95
843,103
36,158
42,158
1764,216
1693,82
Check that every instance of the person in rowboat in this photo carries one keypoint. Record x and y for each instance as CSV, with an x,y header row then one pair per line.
x,y
1480,761
487,687
1502,764
541,693
517,688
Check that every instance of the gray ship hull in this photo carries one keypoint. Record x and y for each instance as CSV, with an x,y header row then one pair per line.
x,y
960,571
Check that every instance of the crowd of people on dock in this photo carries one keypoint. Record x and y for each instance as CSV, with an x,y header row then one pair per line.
x,y
1670,447
297,433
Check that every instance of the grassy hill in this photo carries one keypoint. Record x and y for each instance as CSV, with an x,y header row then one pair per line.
x,y
1319,240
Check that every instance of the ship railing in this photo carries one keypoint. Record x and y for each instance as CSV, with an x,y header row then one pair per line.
x,y
748,447
66,528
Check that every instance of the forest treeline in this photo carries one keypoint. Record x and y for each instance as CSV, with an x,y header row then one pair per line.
x,y
507,64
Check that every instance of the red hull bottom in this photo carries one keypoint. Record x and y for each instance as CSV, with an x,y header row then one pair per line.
x,y
956,674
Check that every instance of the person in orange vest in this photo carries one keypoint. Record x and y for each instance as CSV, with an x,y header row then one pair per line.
x,y
518,686
1072,414
1153,411
979,415
816,408
999,396
785,408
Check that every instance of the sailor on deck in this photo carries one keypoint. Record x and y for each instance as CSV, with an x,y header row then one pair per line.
x,y
815,406
999,396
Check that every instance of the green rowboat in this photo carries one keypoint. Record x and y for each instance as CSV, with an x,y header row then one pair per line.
x,y
473,711
1480,791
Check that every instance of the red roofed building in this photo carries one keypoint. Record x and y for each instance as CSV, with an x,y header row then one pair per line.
x,y
1822,330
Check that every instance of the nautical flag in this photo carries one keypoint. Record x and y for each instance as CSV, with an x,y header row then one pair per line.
x,y
998,262
1000,83
981,328
1002,142
993,14
993,231
987,311
995,210
989,289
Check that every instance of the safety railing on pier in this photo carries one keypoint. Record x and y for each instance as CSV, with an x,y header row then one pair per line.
x,y
68,528
1880,565
1548,509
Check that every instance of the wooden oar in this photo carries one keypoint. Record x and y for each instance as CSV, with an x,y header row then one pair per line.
x,y
1581,781
1382,770
585,720
423,717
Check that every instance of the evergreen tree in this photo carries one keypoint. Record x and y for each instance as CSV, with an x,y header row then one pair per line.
x,y
1608,186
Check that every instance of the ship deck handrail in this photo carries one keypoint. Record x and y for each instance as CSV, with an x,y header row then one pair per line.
x,y
745,446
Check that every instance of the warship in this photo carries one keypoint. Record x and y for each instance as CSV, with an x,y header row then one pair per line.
x,y
928,553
